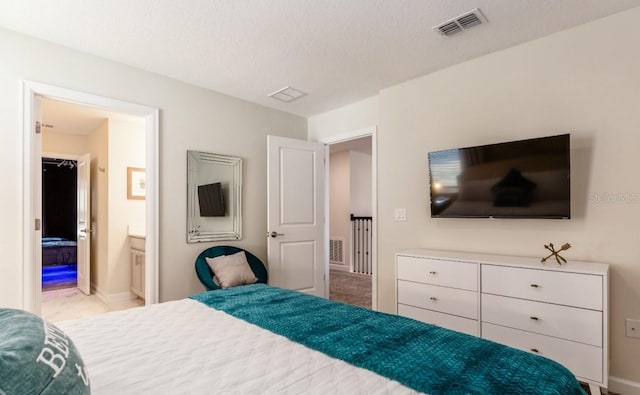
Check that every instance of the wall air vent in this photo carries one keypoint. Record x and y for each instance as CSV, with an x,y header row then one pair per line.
x,y
461,22
336,250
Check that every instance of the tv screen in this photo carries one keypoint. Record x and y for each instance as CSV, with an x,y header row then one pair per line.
x,y
518,179
211,200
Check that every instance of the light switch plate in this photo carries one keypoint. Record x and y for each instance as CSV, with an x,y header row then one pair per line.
x,y
632,328
400,214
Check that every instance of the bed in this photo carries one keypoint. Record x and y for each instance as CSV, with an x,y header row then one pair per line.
x,y
58,251
263,339
260,339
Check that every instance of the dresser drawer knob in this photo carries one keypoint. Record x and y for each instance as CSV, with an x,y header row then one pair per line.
x,y
535,286
535,350
534,318
433,298
432,273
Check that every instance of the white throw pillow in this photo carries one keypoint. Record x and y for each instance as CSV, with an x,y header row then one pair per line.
x,y
231,270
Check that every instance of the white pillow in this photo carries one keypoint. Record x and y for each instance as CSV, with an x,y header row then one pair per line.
x,y
231,270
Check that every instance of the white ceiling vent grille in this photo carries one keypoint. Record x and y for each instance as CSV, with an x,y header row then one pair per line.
x,y
461,22
287,94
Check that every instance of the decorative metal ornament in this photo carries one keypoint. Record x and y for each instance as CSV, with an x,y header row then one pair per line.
x,y
555,253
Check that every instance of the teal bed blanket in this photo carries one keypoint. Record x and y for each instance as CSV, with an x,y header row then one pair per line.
x,y
424,357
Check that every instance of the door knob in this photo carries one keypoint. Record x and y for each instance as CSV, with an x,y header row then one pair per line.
x,y
86,230
274,234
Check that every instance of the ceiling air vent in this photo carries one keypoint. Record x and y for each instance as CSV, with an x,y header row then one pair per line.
x,y
461,22
287,94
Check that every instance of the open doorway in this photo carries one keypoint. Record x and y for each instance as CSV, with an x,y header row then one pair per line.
x,y
34,126
86,262
59,217
351,212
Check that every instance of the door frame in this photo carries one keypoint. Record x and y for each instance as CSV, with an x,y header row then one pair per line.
x,y
32,209
370,131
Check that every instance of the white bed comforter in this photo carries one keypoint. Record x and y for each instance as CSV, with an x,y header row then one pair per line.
x,y
185,347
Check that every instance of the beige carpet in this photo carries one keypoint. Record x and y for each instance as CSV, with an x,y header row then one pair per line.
x,y
350,288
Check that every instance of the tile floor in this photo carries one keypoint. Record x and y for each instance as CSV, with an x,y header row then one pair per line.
x,y
70,303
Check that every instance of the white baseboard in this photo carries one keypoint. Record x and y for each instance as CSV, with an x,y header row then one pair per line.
x,y
112,298
342,268
623,387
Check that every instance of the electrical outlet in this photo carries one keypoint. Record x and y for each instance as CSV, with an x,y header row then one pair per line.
x,y
400,214
632,328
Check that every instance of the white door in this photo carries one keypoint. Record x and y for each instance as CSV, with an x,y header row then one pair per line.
x,y
295,215
33,298
84,224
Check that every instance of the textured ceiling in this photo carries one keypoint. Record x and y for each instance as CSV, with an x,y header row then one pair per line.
x,y
338,51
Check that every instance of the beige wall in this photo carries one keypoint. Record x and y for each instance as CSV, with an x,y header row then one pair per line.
x,y
585,81
360,183
64,143
339,200
190,118
356,116
126,149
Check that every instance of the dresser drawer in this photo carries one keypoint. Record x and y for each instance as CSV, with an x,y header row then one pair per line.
x,y
462,275
570,289
443,299
464,325
582,360
581,325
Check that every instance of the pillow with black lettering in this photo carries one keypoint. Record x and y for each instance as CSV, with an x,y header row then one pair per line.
x,y
38,358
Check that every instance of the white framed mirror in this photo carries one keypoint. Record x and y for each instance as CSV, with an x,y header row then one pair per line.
x,y
214,197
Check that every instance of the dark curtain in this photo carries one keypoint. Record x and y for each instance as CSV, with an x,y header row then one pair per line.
x,y
59,195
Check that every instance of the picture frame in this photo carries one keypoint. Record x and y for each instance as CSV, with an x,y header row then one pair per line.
x,y
136,183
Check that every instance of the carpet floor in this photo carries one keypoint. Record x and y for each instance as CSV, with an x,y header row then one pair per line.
x,y
350,288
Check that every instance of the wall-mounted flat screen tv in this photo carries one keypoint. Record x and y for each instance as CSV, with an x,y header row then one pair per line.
x,y
517,179
211,200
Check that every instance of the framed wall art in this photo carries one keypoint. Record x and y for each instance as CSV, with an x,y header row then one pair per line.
x,y
135,183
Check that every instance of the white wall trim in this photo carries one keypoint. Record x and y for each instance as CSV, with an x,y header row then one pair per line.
x,y
112,298
355,134
340,268
624,387
352,135
31,265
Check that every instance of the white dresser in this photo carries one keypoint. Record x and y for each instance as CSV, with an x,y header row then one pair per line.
x,y
560,312
437,292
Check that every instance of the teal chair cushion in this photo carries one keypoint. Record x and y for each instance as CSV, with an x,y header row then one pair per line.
x,y
205,275
38,358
